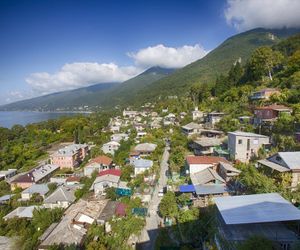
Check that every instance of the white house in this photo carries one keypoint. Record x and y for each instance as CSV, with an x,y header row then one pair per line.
x,y
196,114
196,164
119,137
110,147
140,165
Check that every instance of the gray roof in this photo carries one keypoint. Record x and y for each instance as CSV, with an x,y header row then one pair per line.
x,y
205,176
291,159
229,167
256,208
41,189
6,197
145,147
208,142
210,189
192,125
246,134
21,212
273,165
61,194
142,163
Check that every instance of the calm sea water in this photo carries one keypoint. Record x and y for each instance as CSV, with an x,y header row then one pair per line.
x,y
8,119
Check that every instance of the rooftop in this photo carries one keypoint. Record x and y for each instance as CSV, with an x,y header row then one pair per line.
x,y
62,194
211,189
191,159
192,125
275,107
142,163
145,147
70,149
102,159
205,176
247,134
256,208
41,189
208,142
116,172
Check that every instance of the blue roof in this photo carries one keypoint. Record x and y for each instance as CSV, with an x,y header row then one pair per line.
x,y
186,188
210,189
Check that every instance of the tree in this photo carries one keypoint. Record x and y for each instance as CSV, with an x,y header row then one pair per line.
x,y
168,206
263,61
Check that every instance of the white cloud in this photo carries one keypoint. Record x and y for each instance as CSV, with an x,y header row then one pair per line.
x,y
168,57
79,74
247,14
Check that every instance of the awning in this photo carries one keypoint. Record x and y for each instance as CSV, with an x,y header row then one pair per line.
x,y
186,188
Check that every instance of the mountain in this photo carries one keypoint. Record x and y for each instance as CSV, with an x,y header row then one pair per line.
x,y
159,82
107,94
218,61
65,100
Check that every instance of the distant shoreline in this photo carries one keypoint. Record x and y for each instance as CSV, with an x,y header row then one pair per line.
x,y
54,112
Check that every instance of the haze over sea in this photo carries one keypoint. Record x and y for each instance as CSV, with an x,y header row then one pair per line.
x,y
10,118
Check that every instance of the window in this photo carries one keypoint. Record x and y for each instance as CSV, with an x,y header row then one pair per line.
x,y
240,141
248,144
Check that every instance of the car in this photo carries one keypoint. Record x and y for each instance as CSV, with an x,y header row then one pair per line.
x,y
161,193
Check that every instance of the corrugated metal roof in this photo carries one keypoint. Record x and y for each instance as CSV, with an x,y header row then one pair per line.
x,y
210,189
256,208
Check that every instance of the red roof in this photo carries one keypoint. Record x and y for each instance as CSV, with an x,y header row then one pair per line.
x,y
102,159
121,209
204,159
73,178
273,107
116,172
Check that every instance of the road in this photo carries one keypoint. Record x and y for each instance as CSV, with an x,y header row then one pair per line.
x,y
150,232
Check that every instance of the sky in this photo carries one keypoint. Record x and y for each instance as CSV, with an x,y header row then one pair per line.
x,y
54,45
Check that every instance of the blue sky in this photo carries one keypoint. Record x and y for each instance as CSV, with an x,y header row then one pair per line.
x,y
49,46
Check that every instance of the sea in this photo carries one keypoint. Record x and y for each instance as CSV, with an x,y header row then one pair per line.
x,y
10,118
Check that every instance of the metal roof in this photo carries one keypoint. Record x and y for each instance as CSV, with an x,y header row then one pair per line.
x,y
210,189
256,208
186,188
247,134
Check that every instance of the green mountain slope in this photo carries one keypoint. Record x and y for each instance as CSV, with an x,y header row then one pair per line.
x,y
216,62
107,94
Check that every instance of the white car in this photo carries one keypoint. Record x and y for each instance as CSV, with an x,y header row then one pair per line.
x,y
161,193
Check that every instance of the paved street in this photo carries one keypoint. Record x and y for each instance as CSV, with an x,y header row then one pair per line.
x,y
150,232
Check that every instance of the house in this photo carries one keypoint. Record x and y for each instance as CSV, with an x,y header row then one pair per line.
x,y
196,164
207,176
99,163
74,225
70,156
119,137
205,145
105,179
139,127
196,114
141,134
140,165
6,198
191,128
73,180
21,212
269,113
130,113
114,128
36,175
227,171
264,94
41,189
145,148
62,197
267,215
213,118
110,147
243,146
281,163
169,119
211,133
6,174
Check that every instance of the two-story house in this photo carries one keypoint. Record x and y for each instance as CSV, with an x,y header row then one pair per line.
x,y
243,146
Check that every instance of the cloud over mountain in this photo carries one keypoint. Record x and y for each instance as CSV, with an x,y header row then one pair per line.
x,y
245,14
168,57
79,74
